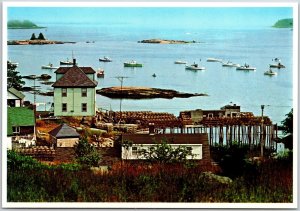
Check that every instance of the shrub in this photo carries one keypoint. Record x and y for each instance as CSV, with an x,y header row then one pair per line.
x,y
86,154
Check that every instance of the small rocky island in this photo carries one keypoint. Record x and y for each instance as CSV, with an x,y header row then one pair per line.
x,y
144,93
161,41
40,40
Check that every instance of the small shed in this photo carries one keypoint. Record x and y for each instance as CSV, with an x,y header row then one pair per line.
x,y
64,136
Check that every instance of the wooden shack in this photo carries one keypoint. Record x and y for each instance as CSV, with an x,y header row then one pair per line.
x,y
64,136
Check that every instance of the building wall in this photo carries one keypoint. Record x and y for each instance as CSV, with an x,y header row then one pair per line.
x,y
128,154
67,142
74,102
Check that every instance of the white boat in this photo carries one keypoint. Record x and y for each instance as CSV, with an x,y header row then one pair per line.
x,y
194,67
230,64
270,72
180,62
213,60
246,67
49,66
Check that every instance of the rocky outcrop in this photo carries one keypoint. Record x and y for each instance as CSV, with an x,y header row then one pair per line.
x,y
35,42
160,41
143,93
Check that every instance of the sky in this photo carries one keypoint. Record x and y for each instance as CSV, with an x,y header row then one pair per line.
x,y
155,16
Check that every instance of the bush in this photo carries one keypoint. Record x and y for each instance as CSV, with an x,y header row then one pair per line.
x,y
86,154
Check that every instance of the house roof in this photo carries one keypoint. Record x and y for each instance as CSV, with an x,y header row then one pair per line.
x,y
86,70
198,138
75,77
19,116
17,93
64,131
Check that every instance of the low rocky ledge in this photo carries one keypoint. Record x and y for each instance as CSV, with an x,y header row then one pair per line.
x,y
143,93
161,41
36,42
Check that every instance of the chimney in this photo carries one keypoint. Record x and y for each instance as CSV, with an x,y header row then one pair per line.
x,y
74,62
151,128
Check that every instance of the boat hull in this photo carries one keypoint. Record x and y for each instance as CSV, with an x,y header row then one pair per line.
x,y
49,67
246,68
105,60
194,68
277,66
133,65
180,62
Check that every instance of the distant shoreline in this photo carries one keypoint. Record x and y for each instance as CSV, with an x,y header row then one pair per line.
x,y
24,27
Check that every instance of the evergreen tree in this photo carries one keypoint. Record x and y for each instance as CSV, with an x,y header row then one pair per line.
x,y
41,37
86,154
13,78
33,37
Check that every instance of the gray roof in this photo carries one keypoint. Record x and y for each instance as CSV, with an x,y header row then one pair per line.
x,y
17,93
64,131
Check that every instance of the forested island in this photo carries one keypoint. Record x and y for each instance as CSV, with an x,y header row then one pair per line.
x,y
284,23
26,24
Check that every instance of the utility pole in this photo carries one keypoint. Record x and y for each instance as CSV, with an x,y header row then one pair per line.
x,y
121,79
262,141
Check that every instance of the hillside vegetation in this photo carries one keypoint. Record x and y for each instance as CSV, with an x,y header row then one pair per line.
x,y
26,24
284,23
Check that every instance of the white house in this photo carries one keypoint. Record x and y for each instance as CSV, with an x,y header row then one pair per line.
x,y
132,144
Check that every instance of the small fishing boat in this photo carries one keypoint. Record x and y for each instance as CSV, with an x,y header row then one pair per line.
x,y
277,64
49,66
66,62
213,60
230,64
132,64
154,75
100,73
105,59
246,67
270,72
180,62
194,67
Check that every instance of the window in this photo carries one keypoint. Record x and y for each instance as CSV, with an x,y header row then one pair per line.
x,y
64,107
64,92
16,130
83,92
134,150
189,149
84,107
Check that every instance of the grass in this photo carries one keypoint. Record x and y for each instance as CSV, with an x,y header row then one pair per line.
x,y
31,181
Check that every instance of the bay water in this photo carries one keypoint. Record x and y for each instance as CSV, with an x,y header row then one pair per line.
x,y
224,85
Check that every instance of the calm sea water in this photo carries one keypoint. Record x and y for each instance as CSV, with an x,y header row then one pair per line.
x,y
250,90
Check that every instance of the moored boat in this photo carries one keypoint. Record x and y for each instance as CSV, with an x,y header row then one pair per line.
x,y
213,60
180,62
230,64
105,59
270,72
100,73
49,66
277,64
132,64
246,67
194,67
66,62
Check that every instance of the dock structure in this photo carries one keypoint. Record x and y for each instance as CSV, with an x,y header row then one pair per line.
x,y
224,127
